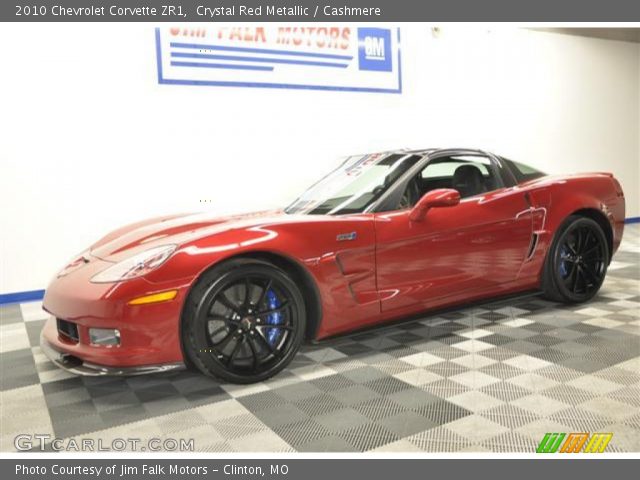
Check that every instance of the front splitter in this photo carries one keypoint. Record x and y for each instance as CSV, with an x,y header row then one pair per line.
x,y
77,366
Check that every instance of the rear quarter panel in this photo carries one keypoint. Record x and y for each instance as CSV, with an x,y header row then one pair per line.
x,y
555,198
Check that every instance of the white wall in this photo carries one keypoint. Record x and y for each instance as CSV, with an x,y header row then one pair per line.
x,y
89,141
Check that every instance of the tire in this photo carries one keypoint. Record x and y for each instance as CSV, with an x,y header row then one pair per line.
x,y
577,261
243,338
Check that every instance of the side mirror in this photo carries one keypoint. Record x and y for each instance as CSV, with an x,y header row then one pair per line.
x,y
440,197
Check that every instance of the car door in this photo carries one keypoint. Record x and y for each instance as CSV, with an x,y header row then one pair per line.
x,y
477,245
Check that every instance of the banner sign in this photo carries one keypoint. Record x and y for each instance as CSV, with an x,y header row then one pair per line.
x,y
344,58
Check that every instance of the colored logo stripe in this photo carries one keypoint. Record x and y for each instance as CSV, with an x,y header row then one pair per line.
x,y
598,442
574,442
550,443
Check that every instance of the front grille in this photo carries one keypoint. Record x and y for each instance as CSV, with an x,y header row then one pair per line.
x,y
68,330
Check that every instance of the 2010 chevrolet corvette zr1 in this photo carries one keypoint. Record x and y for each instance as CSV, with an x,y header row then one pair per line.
x,y
384,236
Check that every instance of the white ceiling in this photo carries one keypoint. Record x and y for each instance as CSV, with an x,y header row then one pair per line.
x,y
621,34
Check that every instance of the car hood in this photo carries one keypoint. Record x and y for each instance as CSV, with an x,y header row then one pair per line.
x,y
177,230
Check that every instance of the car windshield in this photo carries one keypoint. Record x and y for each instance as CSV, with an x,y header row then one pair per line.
x,y
354,185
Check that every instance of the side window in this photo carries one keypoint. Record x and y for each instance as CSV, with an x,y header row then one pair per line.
x,y
470,175
523,173
448,168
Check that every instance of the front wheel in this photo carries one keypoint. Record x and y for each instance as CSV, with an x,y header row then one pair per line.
x,y
577,261
244,321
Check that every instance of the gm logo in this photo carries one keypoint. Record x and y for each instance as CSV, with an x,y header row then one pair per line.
x,y
374,49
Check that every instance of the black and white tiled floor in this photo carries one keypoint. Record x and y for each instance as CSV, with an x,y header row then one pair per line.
x,y
495,377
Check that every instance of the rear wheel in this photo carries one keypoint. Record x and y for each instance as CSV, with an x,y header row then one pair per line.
x,y
577,261
244,321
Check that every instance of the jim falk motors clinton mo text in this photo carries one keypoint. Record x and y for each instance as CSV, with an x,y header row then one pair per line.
x,y
125,470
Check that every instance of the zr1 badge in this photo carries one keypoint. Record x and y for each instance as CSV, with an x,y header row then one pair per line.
x,y
346,236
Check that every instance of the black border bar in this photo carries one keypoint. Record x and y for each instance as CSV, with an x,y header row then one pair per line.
x,y
563,466
320,10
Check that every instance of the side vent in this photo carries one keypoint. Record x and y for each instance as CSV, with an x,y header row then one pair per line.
x,y
532,246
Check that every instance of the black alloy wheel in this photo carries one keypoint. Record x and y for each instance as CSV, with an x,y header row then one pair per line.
x,y
244,321
577,261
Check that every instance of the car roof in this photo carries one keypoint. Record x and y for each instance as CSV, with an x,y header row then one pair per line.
x,y
435,151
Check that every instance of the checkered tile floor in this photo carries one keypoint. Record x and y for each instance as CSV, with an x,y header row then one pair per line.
x,y
489,378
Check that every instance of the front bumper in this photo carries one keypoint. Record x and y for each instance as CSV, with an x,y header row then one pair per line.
x,y
149,333
77,366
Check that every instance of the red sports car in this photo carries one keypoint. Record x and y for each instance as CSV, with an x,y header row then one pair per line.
x,y
385,236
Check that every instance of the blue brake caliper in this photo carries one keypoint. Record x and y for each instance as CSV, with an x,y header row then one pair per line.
x,y
273,318
563,264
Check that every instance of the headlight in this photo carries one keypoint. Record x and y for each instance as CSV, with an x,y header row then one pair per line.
x,y
135,266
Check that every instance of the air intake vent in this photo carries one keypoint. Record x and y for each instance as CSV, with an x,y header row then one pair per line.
x,y
68,330
532,246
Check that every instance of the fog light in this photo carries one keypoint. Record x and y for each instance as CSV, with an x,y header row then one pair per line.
x,y
104,336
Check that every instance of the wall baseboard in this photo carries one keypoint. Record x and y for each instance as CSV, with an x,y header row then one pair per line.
x,y
20,297
35,295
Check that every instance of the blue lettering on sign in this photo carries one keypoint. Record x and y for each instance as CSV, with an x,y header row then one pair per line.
x,y
374,49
